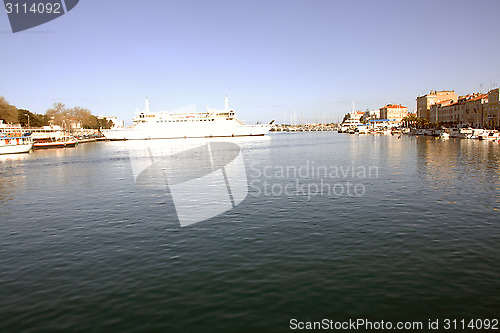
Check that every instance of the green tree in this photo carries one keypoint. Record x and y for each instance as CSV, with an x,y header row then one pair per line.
x,y
8,113
62,116
103,123
57,114
422,123
35,120
410,120
81,115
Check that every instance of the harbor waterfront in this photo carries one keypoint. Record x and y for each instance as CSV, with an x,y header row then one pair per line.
x,y
88,244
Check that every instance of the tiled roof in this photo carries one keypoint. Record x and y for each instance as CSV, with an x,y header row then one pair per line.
x,y
479,97
394,106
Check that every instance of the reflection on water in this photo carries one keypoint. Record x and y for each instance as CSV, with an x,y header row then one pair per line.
x,y
452,171
460,170
12,176
84,245
465,156
204,181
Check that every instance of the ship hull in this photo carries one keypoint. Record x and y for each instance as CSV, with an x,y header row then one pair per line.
x,y
16,149
48,145
193,129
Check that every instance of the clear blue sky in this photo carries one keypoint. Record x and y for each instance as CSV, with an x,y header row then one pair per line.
x,y
270,57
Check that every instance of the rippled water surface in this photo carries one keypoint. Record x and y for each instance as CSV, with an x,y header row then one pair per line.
x,y
334,226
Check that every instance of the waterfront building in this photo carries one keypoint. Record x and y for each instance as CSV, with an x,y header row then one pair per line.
x,y
425,102
438,112
394,112
467,110
472,110
492,110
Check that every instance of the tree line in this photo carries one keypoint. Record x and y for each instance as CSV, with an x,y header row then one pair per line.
x,y
58,114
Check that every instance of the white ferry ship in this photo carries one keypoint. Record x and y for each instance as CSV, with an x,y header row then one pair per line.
x,y
167,125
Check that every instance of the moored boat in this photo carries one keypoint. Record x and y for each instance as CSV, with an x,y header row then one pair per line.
x,y
477,133
490,135
465,133
55,142
444,135
15,144
363,129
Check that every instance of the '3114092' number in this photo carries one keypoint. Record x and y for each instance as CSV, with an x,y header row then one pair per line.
x,y
36,8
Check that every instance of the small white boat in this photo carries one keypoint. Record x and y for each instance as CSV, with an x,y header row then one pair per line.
x,y
477,133
465,133
15,144
444,135
363,129
454,132
491,135
386,131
